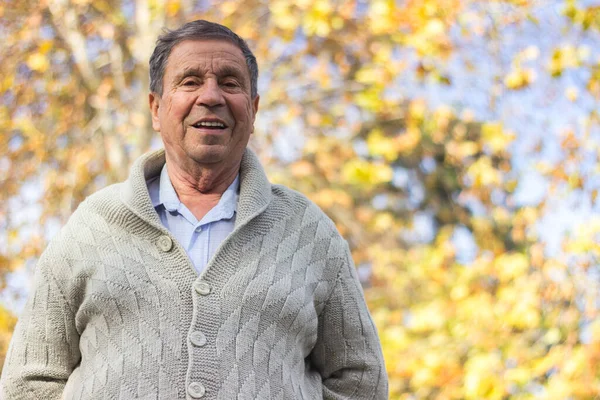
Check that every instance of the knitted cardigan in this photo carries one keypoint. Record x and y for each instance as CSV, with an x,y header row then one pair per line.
x,y
117,310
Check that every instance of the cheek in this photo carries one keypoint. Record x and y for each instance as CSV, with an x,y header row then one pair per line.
x,y
244,111
178,107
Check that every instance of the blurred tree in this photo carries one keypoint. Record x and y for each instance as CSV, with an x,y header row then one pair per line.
x,y
403,180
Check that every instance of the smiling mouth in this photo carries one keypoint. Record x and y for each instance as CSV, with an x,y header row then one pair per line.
x,y
209,125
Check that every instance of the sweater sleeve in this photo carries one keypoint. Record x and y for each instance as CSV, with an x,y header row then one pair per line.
x,y
348,353
44,349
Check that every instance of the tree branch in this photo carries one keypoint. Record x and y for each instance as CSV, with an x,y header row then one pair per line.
x,y
64,21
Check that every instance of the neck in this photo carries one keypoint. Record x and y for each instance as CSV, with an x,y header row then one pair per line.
x,y
200,187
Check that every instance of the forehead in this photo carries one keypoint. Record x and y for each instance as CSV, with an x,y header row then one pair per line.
x,y
206,55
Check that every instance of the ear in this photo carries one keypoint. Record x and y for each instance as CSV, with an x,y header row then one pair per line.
x,y
255,102
154,102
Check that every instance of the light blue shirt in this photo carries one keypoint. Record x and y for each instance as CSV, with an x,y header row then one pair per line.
x,y
200,239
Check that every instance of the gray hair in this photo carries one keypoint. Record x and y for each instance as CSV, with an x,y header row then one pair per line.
x,y
195,30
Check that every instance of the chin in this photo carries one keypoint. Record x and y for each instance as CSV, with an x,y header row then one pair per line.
x,y
210,155
207,158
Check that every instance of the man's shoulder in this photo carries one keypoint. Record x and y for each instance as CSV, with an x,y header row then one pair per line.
x,y
294,198
84,225
102,200
301,207
101,208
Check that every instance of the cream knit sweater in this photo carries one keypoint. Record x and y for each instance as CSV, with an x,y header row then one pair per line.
x,y
118,311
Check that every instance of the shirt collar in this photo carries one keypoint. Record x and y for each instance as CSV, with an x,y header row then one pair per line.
x,y
167,197
166,192
228,203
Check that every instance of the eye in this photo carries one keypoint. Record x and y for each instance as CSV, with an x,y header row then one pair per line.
x,y
190,82
230,83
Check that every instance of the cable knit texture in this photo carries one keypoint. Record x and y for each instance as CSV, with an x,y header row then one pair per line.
x,y
118,312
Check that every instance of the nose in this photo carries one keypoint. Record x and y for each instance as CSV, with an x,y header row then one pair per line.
x,y
210,94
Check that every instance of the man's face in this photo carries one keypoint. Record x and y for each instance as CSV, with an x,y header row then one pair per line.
x,y
205,114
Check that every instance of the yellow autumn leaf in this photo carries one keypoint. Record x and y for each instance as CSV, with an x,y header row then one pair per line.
x,y
45,46
172,7
483,173
38,62
519,78
380,15
552,337
462,149
481,377
6,83
369,75
369,99
434,27
519,308
511,265
7,319
318,19
283,17
495,137
559,388
380,145
408,141
519,375
360,172
576,364
383,222
337,23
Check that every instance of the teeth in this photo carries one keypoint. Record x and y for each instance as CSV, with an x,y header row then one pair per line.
x,y
211,124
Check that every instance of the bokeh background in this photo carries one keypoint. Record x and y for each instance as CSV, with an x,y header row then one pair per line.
x,y
455,143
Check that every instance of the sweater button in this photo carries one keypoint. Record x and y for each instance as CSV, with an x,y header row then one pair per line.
x,y
198,338
165,243
202,288
196,390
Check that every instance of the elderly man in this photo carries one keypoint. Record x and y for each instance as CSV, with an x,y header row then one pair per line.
x,y
197,278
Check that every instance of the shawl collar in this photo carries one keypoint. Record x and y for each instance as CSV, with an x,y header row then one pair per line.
x,y
255,189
